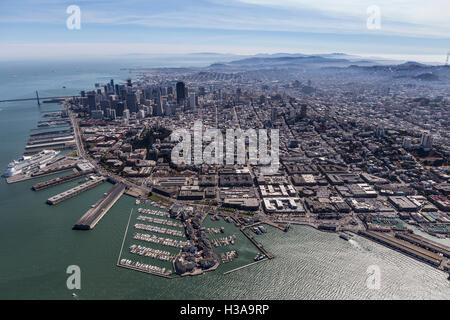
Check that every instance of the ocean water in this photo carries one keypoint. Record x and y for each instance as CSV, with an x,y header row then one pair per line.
x,y
38,243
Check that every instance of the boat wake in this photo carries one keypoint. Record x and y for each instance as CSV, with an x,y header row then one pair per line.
x,y
355,244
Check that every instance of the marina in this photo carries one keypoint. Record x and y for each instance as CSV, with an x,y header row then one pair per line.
x,y
165,222
158,240
152,253
151,228
143,267
225,241
228,256
154,212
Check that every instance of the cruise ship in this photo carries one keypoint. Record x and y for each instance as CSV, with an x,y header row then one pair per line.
x,y
27,163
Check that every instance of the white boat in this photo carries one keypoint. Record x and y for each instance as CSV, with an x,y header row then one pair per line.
x,y
28,163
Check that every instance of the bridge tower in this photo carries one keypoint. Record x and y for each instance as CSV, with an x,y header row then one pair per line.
x,y
37,98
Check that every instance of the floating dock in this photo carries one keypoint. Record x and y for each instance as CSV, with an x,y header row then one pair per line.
x,y
94,214
59,180
95,181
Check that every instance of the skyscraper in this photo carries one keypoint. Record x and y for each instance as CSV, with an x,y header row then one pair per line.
x,y
132,102
303,111
181,92
380,131
192,101
426,142
91,101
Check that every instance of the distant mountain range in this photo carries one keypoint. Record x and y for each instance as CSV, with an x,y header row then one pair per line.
x,y
341,61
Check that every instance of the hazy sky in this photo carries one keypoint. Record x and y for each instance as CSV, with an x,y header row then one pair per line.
x,y
37,28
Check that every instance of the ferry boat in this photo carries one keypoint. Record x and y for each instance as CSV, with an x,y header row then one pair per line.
x,y
259,256
28,163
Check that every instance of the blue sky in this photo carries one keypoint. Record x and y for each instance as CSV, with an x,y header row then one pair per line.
x,y
413,29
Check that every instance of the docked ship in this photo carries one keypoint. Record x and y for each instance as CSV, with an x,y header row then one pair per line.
x,y
29,163
286,229
259,257
345,236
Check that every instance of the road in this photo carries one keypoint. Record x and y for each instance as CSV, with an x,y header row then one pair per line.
x,y
83,154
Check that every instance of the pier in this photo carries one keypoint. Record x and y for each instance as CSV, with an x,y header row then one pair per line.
x,y
245,266
57,167
95,181
257,244
59,180
90,219
404,247
51,133
55,138
425,243
55,145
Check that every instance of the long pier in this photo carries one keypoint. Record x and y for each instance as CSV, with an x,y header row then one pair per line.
x,y
41,173
59,180
56,145
425,243
50,133
404,247
76,190
90,219
245,266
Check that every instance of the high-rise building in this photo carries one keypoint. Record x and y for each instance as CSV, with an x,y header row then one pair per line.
x,y
273,115
192,101
111,114
132,104
426,142
406,143
120,108
181,92
91,102
140,114
97,114
303,111
380,131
